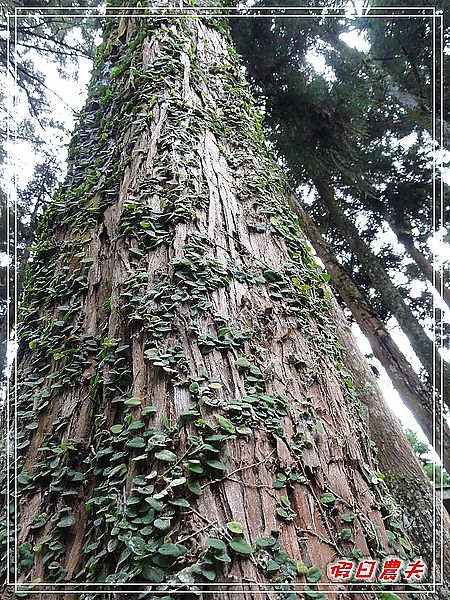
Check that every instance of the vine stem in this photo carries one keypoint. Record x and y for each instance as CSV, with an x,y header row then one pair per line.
x,y
256,464
191,535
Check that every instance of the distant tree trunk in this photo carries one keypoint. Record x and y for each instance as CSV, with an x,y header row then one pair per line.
x,y
421,113
183,409
417,397
401,227
392,298
422,262
424,516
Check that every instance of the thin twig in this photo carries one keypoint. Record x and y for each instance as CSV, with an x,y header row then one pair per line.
x,y
256,464
188,537
322,539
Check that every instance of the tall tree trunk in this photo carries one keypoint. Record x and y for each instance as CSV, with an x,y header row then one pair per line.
x,y
424,516
402,228
392,298
417,397
178,355
422,262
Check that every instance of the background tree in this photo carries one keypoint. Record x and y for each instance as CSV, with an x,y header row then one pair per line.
x,y
440,478
44,37
343,131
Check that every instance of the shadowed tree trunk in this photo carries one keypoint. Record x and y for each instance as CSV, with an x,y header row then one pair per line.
x,y
392,298
185,419
424,516
417,397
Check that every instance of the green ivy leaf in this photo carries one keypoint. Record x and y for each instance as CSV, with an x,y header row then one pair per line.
x,y
283,514
225,424
136,442
166,456
137,545
180,502
222,557
162,524
194,466
348,517
66,522
215,543
244,430
217,464
235,527
406,545
23,478
194,487
215,385
313,574
242,362
272,566
240,545
208,573
132,401
32,426
177,482
302,569
328,498
174,550
140,457
116,428
134,425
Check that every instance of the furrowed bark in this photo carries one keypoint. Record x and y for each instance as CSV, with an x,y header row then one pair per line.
x,y
415,394
392,298
185,420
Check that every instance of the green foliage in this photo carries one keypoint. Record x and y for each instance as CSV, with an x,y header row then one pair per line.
x,y
344,126
435,472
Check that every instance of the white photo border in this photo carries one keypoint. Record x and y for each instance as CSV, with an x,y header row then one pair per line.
x,y
437,223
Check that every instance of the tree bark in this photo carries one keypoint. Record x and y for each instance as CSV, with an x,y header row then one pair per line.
x,y
437,369
177,355
415,394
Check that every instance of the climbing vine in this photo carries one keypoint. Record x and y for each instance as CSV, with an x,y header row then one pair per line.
x,y
136,194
